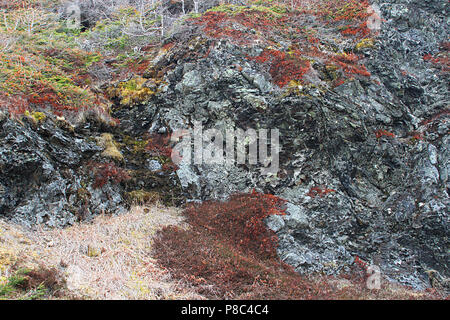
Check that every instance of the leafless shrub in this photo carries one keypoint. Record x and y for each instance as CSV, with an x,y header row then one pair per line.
x,y
6,42
148,19
30,16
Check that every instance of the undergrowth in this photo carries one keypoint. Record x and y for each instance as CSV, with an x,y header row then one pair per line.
x,y
272,23
228,253
35,284
43,69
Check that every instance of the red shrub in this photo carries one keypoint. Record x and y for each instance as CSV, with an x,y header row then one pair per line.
x,y
240,221
360,30
45,95
435,117
381,133
107,172
415,135
220,271
362,264
427,57
230,248
16,105
445,46
228,253
158,145
349,65
338,82
350,16
18,4
222,25
138,67
284,67
170,166
348,58
441,60
316,191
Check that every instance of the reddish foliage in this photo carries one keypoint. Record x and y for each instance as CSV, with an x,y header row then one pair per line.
x,y
427,57
220,271
435,117
349,64
358,272
53,80
354,13
440,60
228,253
295,63
230,248
158,145
169,167
16,105
338,82
50,278
354,9
138,67
354,69
364,265
107,172
116,121
348,58
284,67
381,133
316,191
168,46
313,40
45,95
18,4
221,25
445,46
241,221
360,30
213,26
416,135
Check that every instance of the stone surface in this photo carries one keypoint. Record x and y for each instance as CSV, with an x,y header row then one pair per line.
x,y
389,204
390,200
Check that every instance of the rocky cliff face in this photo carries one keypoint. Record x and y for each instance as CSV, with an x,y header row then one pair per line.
x,y
363,121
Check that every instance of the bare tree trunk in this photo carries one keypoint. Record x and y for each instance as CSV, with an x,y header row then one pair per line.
x,y
162,25
196,6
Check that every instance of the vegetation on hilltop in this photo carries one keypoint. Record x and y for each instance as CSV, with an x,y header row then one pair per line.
x,y
48,67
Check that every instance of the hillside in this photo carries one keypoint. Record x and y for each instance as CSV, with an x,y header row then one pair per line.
x,y
94,96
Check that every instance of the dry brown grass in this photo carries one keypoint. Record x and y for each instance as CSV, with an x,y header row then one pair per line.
x,y
114,257
109,258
